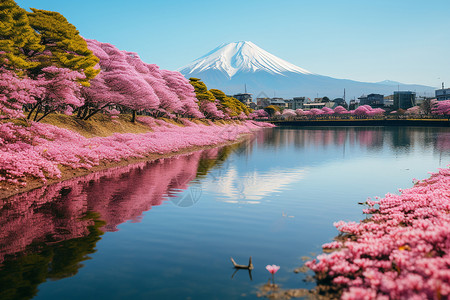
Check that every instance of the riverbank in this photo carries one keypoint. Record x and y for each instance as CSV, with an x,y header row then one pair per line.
x,y
401,252
363,122
36,154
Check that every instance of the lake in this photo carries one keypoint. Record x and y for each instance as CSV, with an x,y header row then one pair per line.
x,y
167,229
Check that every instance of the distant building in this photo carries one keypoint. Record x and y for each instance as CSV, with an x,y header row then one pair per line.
x,y
262,102
296,102
339,102
420,100
374,100
253,105
353,104
389,101
442,94
311,105
278,102
245,98
404,99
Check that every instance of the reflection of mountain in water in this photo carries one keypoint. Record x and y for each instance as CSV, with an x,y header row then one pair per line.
x,y
47,232
251,186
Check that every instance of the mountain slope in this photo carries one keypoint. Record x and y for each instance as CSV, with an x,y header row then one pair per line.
x,y
231,66
234,58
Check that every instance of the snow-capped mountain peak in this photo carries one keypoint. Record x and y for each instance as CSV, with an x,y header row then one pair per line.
x,y
243,56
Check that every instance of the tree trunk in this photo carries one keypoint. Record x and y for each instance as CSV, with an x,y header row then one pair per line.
x,y
133,117
94,111
85,111
32,110
37,112
46,113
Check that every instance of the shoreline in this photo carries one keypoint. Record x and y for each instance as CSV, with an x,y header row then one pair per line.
x,y
363,122
8,190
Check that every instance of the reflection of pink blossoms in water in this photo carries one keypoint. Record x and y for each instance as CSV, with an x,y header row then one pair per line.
x,y
401,252
56,213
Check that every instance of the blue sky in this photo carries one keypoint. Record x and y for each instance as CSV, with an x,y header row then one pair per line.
x,y
401,40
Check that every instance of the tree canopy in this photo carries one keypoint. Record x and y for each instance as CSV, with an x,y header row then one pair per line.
x,y
32,41
18,40
64,46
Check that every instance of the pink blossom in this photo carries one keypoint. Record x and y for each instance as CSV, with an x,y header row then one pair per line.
x,y
272,268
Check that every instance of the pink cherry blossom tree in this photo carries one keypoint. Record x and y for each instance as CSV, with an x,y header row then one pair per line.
x,y
289,113
60,92
15,92
327,111
185,92
441,107
123,80
210,110
340,110
315,112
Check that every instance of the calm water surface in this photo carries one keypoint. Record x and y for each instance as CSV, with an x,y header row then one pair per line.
x,y
167,229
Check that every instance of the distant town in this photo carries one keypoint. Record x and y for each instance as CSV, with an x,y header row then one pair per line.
x,y
397,100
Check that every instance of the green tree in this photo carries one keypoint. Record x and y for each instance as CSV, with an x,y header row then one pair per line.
x,y
64,47
271,109
234,105
18,41
201,91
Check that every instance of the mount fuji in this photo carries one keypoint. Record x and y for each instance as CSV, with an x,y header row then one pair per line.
x,y
232,66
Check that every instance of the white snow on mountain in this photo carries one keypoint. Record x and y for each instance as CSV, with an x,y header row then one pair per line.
x,y
242,56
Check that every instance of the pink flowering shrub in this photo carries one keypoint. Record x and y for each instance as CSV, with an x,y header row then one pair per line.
x,y
327,111
401,252
340,110
261,113
299,112
367,110
289,113
315,112
413,111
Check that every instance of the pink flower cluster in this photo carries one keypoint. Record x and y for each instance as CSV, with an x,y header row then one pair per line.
x,y
364,110
16,92
401,252
441,107
40,149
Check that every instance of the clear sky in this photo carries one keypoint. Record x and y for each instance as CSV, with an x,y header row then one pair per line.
x,y
400,40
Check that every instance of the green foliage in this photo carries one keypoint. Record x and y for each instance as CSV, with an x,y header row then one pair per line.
x,y
18,40
230,105
271,109
234,105
65,47
201,91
